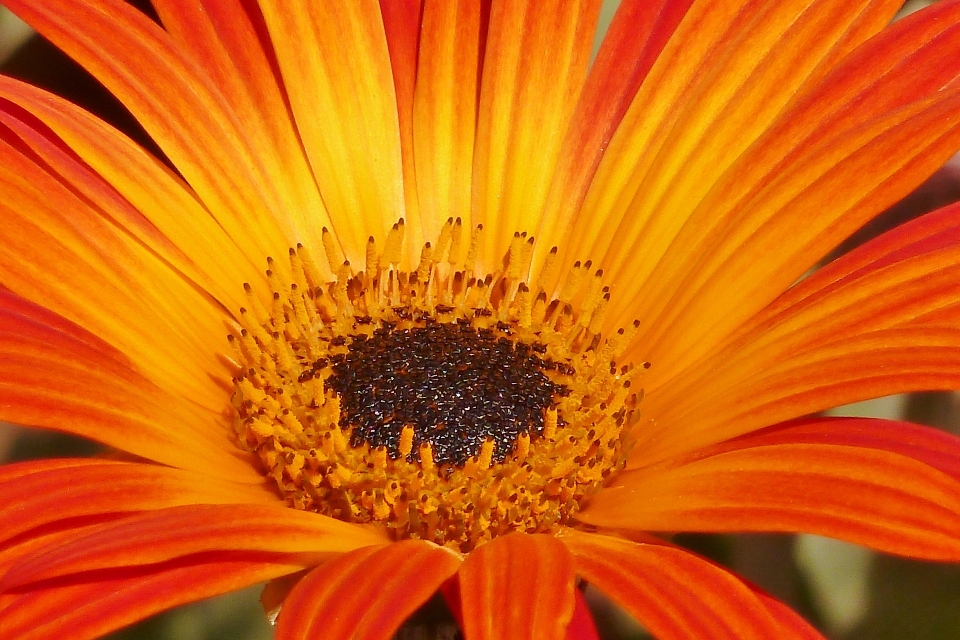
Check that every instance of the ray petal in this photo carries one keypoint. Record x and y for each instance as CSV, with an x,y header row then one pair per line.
x,y
402,23
517,586
179,107
445,109
367,593
229,40
881,499
337,72
677,595
836,337
165,534
837,156
716,87
636,36
936,448
58,250
534,66
44,495
85,608
55,375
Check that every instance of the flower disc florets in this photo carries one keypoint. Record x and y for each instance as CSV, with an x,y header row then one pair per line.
x,y
442,406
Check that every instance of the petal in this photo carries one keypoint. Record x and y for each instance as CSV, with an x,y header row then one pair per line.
x,y
876,498
634,39
581,625
535,63
336,68
715,89
676,594
367,593
445,109
174,532
90,607
130,185
45,493
847,148
229,41
401,24
61,252
517,586
177,104
884,319
932,447
55,375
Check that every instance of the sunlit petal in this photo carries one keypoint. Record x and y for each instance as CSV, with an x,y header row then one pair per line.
x,y
517,586
677,595
366,593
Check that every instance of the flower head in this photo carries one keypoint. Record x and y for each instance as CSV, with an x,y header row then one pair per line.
x,y
425,301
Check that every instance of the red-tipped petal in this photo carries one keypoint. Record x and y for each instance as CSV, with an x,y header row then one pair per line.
x,y
517,586
179,107
876,498
677,595
401,24
848,147
445,109
175,532
581,625
336,69
534,67
46,493
229,41
636,36
939,449
367,593
54,374
88,607
883,320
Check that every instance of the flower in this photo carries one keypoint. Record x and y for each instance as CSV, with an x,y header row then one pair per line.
x,y
384,420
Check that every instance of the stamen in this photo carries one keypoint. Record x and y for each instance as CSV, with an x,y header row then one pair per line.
x,y
435,403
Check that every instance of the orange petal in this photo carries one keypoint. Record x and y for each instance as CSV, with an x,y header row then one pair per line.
x,y
848,147
884,319
42,495
174,532
401,24
59,251
229,41
55,375
135,189
876,498
677,595
534,67
367,593
179,107
517,586
445,109
336,67
581,625
723,78
634,39
933,447
92,606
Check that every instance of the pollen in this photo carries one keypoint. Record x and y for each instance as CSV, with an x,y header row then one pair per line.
x,y
435,402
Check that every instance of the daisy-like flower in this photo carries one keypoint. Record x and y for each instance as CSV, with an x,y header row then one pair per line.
x,y
425,301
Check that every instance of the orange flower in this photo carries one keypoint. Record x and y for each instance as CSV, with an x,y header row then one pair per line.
x,y
385,419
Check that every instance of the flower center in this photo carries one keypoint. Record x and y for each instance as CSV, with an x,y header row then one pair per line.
x,y
436,404
454,385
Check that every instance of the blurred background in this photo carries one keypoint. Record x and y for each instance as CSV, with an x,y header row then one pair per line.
x,y
850,593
